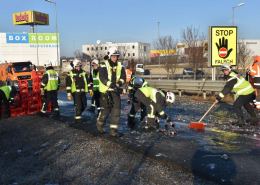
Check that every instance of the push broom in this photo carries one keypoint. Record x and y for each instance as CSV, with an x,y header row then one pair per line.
x,y
197,99
199,125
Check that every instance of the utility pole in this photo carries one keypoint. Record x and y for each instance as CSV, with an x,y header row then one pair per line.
x,y
159,40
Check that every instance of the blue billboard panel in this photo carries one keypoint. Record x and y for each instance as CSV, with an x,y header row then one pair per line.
x,y
17,38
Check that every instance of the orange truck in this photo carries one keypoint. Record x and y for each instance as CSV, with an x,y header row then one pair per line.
x,y
11,73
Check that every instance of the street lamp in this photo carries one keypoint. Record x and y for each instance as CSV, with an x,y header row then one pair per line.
x,y
58,61
241,4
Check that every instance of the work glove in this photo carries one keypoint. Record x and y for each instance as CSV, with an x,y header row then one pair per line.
x,y
90,93
168,119
69,96
42,91
118,90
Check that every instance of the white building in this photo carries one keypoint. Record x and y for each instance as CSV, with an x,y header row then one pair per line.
x,y
134,50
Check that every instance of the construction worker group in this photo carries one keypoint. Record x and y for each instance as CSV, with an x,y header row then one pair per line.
x,y
107,80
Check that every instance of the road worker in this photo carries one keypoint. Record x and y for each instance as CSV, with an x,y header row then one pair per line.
x,y
244,92
128,73
111,79
154,100
77,86
135,83
7,96
94,81
49,89
255,75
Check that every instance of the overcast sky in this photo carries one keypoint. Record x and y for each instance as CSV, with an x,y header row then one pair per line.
x,y
132,20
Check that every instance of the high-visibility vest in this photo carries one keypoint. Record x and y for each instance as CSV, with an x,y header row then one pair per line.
x,y
105,87
95,81
7,91
242,87
73,84
128,73
255,73
53,80
150,92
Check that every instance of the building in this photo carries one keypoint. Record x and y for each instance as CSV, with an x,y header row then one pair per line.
x,y
133,50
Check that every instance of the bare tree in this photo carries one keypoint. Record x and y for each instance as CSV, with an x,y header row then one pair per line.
x,y
96,51
194,41
78,54
244,53
167,45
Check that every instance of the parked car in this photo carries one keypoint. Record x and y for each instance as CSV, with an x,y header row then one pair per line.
x,y
189,71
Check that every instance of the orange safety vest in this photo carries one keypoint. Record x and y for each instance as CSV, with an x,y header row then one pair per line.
x,y
128,73
255,72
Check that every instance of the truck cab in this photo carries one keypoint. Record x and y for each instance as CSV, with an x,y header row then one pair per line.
x,y
139,69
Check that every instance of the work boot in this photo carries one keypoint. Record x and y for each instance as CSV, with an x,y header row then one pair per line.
x,y
240,122
78,121
100,128
41,114
56,114
91,109
114,133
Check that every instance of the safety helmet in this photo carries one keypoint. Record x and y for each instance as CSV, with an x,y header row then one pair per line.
x,y
113,51
138,82
170,97
77,62
94,62
226,65
47,64
257,58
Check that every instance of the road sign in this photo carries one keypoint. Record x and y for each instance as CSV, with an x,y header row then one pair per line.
x,y
223,45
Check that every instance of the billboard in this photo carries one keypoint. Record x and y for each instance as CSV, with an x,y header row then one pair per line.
x,y
163,52
30,17
223,45
37,48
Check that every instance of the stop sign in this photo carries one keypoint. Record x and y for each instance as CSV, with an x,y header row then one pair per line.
x,y
223,52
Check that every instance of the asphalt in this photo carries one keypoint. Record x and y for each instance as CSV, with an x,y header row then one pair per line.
x,y
216,154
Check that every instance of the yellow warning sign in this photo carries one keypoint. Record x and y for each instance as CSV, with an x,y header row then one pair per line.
x,y
223,45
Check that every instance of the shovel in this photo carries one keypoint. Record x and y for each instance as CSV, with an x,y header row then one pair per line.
x,y
199,125
197,99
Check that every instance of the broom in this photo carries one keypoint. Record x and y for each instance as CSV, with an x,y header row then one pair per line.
x,y
199,125
197,99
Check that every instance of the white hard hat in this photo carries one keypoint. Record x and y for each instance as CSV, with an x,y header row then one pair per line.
x,y
226,65
170,97
95,62
77,62
113,51
138,82
47,64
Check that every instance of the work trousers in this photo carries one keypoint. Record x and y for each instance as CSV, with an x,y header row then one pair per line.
x,y
6,103
80,103
243,100
136,104
110,102
257,99
154,108
95,100
50,96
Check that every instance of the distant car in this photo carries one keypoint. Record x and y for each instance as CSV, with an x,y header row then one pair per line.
x,y
189,71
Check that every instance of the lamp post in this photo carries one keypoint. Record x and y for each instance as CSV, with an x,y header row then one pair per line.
x,y
58,61
159,41
241,4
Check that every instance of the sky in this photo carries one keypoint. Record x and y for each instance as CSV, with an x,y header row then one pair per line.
x,y
131,20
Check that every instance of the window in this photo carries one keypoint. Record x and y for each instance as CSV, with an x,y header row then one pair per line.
x,y
123,47
124,54
87,49
100,48
92,56
96,55
140,54
133,54
96,48
105,48
92,48
133,47
128,47
129,54
144,48
140,46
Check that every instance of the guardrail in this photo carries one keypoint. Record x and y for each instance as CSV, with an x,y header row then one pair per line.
x,y
190,85
179,76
